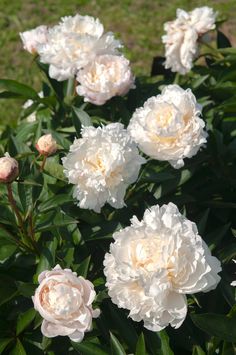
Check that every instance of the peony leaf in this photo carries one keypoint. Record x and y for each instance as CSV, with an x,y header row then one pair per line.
x,y
54,169
82,116
13,87
116,347
87,348
165,346
140,347
197,350
18,349
24,320
217,325
3,343
83,268
8,289
222,40
55,201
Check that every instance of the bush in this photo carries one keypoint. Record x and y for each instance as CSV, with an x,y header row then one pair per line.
x,y
44,226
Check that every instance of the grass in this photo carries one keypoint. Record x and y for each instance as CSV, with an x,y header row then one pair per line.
x,y
138,23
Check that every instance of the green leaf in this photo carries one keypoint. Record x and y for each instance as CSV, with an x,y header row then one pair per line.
x,y
55,201
201,225
7,289
26,289
86,348
123,326
83,267
54,169
222,40
24,320
47,258
82,116
7,249
197,350
18,349
165,346
3,343
217,325
12,86
228,349
140,347
116,347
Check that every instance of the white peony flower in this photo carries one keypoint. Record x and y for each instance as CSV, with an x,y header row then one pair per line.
x,y
154,263
64,300
73,44
102,164
203,19
33,38
168,126
105,77
182,34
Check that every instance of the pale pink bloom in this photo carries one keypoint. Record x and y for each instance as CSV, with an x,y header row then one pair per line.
x,y
64,300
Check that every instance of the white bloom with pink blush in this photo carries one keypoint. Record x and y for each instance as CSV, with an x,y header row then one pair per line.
x,y
33,38
64,300
105,77
154,263
73,44
101,165
182,34
168,127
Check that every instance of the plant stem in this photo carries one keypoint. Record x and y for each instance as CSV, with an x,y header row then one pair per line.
x,y
14,238
43,163
14,206
32,235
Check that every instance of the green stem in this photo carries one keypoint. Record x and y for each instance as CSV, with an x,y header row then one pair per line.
x,y
32,234
70,87
214,50
43,163
17,241
14,207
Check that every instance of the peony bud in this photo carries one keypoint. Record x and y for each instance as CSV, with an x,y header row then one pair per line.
x,y
9,169
46,145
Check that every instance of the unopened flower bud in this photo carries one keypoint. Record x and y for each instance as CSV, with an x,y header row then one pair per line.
x,y
9,169
46,145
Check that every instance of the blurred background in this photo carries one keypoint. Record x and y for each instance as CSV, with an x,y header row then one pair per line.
x,y
138,23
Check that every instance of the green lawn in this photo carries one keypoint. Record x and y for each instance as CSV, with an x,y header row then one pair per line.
x,y
139,24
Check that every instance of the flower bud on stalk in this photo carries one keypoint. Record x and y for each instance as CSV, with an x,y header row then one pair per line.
x,y
9,169
46,146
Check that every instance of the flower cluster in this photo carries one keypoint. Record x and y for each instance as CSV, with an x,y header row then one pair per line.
x,y
154,263
168,126
65,303
102,164
79,46
182,35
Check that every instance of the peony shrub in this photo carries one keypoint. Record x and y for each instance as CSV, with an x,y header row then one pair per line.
x,y
117,218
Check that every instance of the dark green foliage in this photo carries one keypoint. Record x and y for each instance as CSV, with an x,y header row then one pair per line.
x,y
55,230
